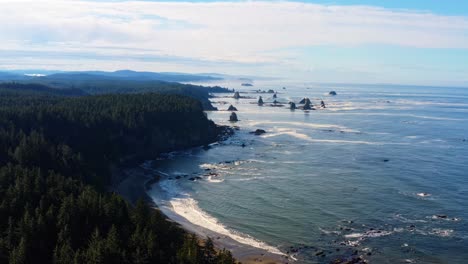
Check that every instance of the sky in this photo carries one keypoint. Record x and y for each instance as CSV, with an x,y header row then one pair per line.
x,y
342,41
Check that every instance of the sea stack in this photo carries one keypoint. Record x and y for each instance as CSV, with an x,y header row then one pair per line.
x,y
332,93
274,96
271,91
236,95
308,105
260,101
322,103
232,108
303,100
233,117
292,105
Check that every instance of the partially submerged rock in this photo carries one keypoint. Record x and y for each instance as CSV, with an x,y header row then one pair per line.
x,y
233,117
332,93
274,95
308,105
303,100
271,91
236,95
232,108
260,101
292,105
258,132
322,104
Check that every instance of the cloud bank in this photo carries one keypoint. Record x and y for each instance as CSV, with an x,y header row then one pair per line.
x,y
235,33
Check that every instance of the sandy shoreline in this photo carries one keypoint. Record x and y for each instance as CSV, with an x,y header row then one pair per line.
x,y
136,184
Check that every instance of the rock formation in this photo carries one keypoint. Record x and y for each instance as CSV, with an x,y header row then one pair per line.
x,y
322,103
232,108
332,93
236,95
260,101
233,117
258,132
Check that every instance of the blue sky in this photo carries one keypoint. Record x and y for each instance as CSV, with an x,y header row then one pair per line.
x,y
412,42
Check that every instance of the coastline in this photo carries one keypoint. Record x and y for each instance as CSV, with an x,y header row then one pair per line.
x,y
136,185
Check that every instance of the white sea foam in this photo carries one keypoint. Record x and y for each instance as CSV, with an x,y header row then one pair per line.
x,y
301,124
423,194
442,232
185,206
214,179
305,137
249,179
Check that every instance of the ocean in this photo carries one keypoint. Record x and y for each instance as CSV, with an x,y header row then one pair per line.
x,y
381,172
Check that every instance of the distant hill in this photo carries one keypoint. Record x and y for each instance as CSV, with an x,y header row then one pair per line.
x,y
12,88
120,82
16,75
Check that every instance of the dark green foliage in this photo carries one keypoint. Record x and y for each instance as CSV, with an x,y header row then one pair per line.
x,y
94,84
55,158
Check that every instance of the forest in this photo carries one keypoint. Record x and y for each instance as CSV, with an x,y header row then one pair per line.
x,y
56,151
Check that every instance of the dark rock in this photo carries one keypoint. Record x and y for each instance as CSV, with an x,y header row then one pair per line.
x,y
386,160
243,145
195,178
260,101
274,96
258,132
441,216
308,105
292,105
178,177
247,84
232,108
233,117
284,88
302,101
271,91
236,95
332,93
322,104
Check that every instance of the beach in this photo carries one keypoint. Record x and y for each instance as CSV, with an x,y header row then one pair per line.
x,y
135,185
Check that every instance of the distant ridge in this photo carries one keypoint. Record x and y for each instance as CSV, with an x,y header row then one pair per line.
x,y
129,75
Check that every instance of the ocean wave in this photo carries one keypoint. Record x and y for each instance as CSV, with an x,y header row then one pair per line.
x,y
214,179
418,195
250,179
303,124
185,206
305,137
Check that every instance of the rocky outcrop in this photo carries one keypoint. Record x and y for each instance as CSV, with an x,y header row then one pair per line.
x,y
292,105
322,104
271,91
303,100
308,105
232,108
233,117
274,96
332,93
247,84
258,132
260,101
236,95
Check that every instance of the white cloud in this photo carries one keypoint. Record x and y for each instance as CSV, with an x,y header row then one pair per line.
x,y
238,32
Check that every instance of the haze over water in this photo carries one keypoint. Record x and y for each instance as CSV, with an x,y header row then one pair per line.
x,y
382,169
